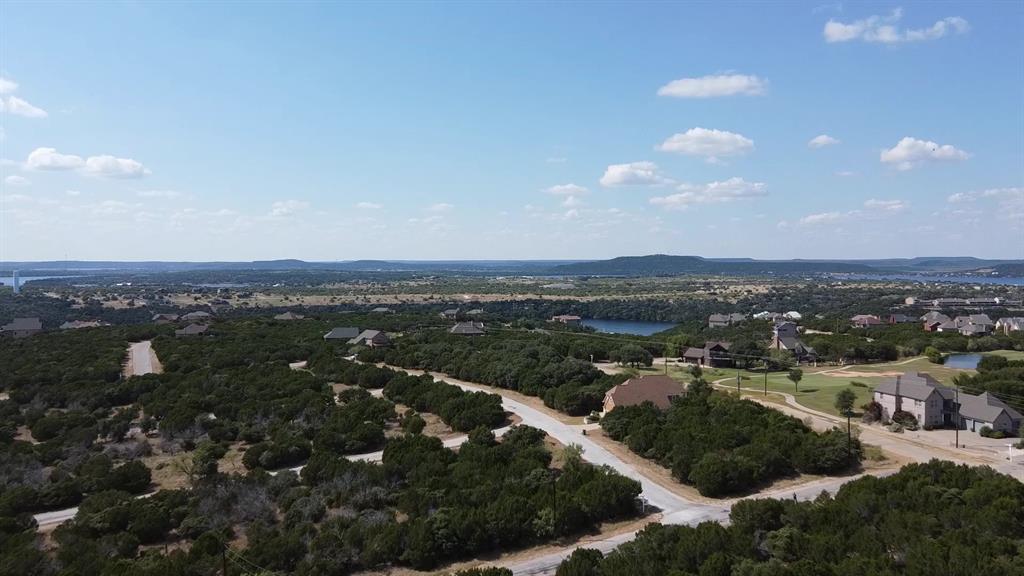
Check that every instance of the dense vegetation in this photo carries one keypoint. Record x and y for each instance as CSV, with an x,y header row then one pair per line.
x,y
536,364
934,518
724,445
1001,377
61,427
423,506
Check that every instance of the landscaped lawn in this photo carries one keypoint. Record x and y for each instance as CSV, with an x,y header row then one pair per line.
x,y
1010,354
817,390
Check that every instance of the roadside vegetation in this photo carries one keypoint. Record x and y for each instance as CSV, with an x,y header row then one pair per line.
x,y
934,518
723,445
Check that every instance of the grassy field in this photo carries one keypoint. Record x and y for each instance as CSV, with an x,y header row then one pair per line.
x,y
817,390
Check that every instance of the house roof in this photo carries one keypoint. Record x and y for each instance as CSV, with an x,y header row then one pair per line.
x,y
289,316
467,328
1011,323
24,324
935,317
900,318
695,353
191,330
198,314
718,318
985,408
366,335
75,324
914,385
342,333
171,317
657,389
865,319
565,317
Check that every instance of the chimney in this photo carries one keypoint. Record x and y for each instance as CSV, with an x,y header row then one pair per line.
x,y
899,399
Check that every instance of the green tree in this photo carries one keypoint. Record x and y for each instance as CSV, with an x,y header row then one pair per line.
x,y
845,399
795,376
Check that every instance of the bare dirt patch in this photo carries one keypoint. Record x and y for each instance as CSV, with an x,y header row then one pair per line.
x,y
856,374
25,435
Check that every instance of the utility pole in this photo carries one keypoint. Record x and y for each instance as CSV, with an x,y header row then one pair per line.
x,y
956,417
224,559
849,434
765,377
554,502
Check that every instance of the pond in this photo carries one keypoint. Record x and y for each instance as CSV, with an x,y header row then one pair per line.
x,y
963,361
637,327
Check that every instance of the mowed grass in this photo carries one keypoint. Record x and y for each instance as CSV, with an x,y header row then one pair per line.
x,y
817,389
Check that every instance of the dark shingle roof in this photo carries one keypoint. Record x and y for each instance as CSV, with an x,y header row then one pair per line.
x,y
342,333
985,407
916,386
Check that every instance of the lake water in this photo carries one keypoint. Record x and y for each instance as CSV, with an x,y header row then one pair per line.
x,y
636,327
9,280
963,361
932,278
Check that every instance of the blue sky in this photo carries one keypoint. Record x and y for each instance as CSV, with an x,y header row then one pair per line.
x,y
324,131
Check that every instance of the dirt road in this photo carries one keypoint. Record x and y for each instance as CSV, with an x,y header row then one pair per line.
x,y
142,360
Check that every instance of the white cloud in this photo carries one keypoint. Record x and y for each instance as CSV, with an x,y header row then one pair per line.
x,y
822,140
885,29
711,144
910,152
158,193
886,205
14,105
368,206
713,86
1009,202
440,207
567,189
112,167
572,201
15,180
19,107
104,165
821,218
998,193
7,86
846,173
284,208
633,174
711,193
50,159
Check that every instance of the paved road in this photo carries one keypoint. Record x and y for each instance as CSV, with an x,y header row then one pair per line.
x,y
567,434
56,517
141,358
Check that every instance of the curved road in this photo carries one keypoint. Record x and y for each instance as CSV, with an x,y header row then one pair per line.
x,y
674,508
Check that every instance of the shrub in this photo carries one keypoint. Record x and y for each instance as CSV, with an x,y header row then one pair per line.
x,y
988,432
872,412
905,419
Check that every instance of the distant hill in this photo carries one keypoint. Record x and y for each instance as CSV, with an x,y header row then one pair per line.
x,y
652,265
667,265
